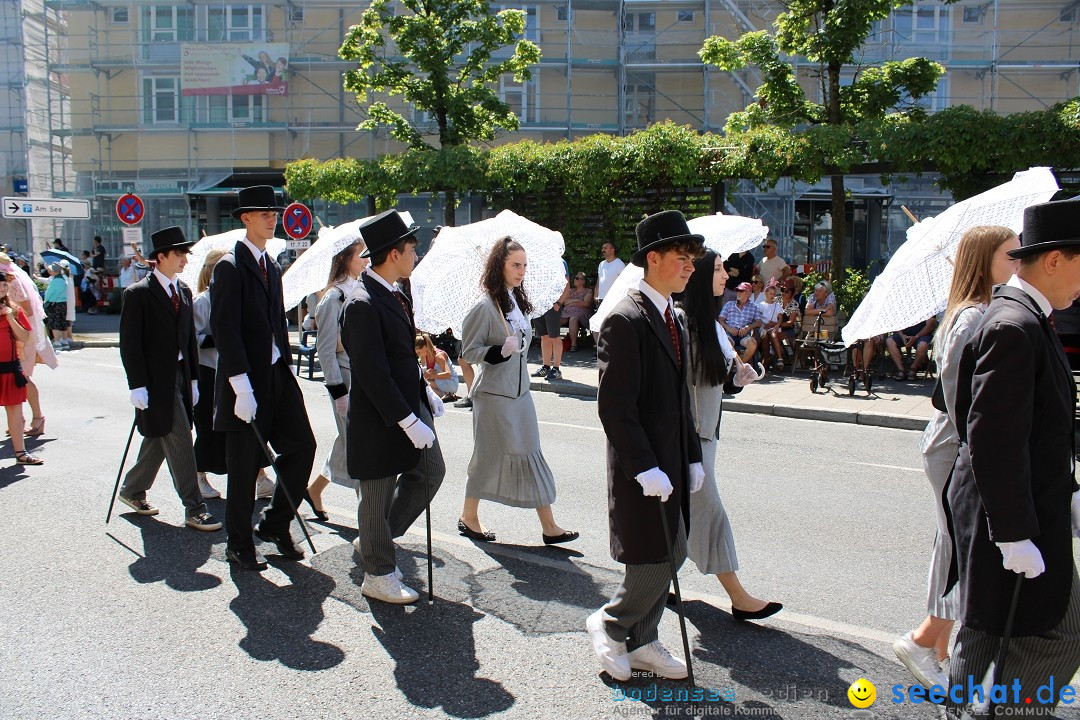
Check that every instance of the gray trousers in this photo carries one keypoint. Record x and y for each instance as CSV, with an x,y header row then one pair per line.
x,y
176,449
633,614
1032,660
389,505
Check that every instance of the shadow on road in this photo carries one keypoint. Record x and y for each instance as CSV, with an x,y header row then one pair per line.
x,y
173,555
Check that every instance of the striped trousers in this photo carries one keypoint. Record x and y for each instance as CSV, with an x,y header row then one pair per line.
x,y
389,505
176,449
1032,660
633,613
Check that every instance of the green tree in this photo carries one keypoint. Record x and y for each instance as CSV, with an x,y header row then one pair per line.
x,y
829,34
442,57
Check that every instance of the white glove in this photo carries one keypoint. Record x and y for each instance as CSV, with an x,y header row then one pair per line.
x,y
194,393
654,482
511,345
140,398
341,405
245,406
746,375
1076,514
437,407
1022,557
420,434
697,477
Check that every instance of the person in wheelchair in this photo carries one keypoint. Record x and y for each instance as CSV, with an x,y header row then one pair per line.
x,y
915,338
740,318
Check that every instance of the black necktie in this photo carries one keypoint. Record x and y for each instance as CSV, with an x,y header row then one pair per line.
x,y
175,299
674,334
262,266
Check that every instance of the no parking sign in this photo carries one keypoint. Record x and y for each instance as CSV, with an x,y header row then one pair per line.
x,y
297,221
130,209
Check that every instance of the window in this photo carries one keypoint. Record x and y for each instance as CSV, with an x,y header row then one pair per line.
x,y
423,121
120,15
938,98
639,103
168,24
532,31
521,97
235,23
972,15
686,16
1068,14
296,14
562,13
161,100
924,25
640,29
237,108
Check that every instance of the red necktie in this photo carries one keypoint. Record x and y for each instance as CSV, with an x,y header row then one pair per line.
x,y
175,299
674,334
262,266
404,303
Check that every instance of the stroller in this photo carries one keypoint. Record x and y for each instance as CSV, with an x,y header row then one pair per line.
x,y
829,356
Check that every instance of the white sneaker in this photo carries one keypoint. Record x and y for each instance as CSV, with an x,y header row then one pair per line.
x,y
206,489
612,654
397,570
264,487
656,659
921,662
388,588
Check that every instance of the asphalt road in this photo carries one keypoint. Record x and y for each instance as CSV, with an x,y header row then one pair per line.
x,y
143,618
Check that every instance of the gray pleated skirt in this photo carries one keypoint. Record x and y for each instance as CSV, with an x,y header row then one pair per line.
x,y
336,467
507,465
710,544
938,463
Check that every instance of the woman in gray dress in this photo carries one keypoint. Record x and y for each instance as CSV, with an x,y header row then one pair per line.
x,y
981,262
507,465
345,271
710,543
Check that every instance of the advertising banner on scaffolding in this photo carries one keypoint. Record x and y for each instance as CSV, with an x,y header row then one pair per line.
x,y
234,69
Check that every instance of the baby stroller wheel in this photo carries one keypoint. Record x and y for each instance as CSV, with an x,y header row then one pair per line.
x,y
813,383
851,385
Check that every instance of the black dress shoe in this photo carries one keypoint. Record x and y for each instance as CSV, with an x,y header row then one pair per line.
x,y
284,544
566,536
244,564
743,615
320,515
474,535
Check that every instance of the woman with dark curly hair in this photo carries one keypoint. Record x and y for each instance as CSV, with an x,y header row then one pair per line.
x,y
507,465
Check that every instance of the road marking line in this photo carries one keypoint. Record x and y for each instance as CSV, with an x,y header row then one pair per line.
x,y
886,467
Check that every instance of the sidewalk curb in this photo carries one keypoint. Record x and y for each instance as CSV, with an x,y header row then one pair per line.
x,y
885,420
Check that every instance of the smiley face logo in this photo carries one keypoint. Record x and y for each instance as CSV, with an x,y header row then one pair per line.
x,y
862,693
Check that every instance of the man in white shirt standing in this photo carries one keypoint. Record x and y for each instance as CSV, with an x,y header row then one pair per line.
x,y
772,266
609,269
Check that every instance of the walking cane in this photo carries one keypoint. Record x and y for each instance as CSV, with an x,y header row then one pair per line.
x,y
281,484
678,594
123,461
430,575
995,669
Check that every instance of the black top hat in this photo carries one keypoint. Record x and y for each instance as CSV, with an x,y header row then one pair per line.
x,y
384,230
256,198
1049,226
663,228
170,238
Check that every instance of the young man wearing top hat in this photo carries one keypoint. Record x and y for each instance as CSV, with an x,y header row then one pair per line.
x,y
255,384
1012,496
161,359
391,445
653,455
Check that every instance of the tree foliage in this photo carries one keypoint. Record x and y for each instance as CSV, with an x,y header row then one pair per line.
x,y
443,57
830,34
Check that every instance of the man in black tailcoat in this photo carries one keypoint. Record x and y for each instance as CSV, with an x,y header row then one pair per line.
x,y
255,383
1012,496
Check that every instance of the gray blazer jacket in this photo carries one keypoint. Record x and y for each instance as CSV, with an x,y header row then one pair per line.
x,y
333,359
482,335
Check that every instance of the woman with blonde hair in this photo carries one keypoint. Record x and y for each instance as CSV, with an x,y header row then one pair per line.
x,y
345,269
982,261
209,443
437,368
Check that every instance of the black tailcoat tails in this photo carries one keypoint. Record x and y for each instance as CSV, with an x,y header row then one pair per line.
x,y
1013,479
378,334
644,407
152,337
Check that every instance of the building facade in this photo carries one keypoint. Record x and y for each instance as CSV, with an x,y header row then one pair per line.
x,y
183,103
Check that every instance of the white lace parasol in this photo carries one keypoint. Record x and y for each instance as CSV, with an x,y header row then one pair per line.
x,y
915,283
724,235
446,283
311,270
223,241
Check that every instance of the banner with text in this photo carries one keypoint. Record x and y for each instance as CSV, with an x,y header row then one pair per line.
x,y
234,69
